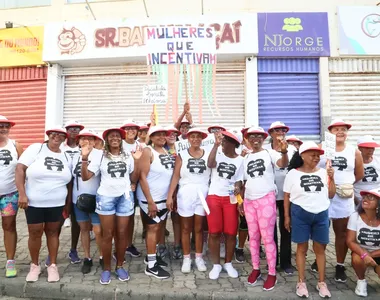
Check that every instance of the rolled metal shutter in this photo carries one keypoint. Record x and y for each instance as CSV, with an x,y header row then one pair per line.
x,y
355,95
289,92
23,99
102,97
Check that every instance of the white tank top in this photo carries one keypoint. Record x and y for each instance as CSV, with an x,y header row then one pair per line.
x,y
8,162
194,170
159,176
344,165
371,178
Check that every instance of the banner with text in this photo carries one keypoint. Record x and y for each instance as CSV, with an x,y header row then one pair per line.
x,y
180,45
155,94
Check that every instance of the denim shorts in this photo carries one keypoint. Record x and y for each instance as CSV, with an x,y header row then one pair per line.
x,y
306,226
122,206
82,216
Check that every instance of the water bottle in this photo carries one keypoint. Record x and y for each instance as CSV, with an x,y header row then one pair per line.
x,y
231,189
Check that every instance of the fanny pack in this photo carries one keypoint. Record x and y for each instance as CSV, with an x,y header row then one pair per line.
x,y
86,203
345,190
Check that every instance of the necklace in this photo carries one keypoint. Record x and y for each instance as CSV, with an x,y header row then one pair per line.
x,y
373,222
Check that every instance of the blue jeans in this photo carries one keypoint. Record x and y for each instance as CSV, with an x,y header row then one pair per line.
x,y
82,216
122,206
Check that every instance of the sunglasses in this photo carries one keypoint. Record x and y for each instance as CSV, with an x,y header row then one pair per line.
x,y
59,134
283,130
5,125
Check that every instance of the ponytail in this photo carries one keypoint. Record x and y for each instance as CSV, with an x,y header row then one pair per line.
x,y
296,161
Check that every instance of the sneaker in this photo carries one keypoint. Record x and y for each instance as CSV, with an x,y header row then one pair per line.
x,y
47,261
314,267
157,272
67,223
270,283
34,273
53,275
101,263
239,255
159,260
323,290
228,267
222,250
122,274
162,251
340,274
87,265
301,290
289,270
186,265
105,277
132,251
361,288
92,235
254,276
10,269
177,252
74,258
215,272
115,259
200,263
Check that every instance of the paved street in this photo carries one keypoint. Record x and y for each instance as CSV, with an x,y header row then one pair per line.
x,y
196,285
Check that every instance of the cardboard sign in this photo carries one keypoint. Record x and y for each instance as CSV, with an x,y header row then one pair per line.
x,y
207,144
155,94
329,145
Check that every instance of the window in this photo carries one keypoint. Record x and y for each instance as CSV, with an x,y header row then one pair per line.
x,y
5,4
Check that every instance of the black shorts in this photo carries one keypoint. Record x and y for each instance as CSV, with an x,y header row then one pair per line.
x,y
161,216
38,215
243,223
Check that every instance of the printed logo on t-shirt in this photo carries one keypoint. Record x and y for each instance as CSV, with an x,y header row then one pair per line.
x,y
167,161
226,170
117,169
71,153
54,164
196,165
78,169
370,174
369,237
339,162
256,166
5,157
311,183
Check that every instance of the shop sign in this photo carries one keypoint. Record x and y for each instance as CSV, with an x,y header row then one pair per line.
x,y
359,30
21,46
293,34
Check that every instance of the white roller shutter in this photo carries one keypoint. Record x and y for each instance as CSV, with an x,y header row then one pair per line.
x,y
102,97
355,97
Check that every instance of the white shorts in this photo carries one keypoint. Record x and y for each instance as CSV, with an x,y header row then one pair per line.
x,y
188,202
341,207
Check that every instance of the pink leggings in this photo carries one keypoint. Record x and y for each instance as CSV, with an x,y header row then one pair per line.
x,y
261,219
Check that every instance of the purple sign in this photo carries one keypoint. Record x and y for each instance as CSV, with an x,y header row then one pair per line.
x,y
293,34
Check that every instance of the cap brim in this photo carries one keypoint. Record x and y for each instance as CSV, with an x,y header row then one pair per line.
x,y
314,149
130,125
369,145
89,134
75,125
294,140
256,132
161,130
218,127
339,124
275,127
363,193
121,131
8,122
144,127
226,133
52,130
172,130
204,135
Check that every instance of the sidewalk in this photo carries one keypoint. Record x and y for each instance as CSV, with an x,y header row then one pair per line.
x,y
196,285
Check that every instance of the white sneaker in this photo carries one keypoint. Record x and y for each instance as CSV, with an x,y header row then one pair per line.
x,y
205,248
92,235
361,288
215,272
200,264
228,267
222,250
186,265
67,223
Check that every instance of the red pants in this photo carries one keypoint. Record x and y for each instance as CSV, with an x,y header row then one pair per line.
x,y
223,217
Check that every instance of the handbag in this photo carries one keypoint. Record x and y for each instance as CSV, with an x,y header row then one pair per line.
x,y
86,203
345,190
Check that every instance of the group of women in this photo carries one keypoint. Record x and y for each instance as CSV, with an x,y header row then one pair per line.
x,y
137,165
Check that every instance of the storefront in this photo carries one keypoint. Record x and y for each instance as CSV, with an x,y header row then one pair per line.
x,y
290,45
101,69
23,80
355,77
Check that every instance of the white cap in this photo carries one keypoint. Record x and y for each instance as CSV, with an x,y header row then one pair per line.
x,y
338,122
87,132
293,138
73,123
154,129
5,120
367,141
56,129
130,123
237,133
259,130
309,145
278,124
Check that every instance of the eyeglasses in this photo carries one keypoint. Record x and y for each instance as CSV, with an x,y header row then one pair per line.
x,y
59,134
255,136
215,130
73,129
371,197
129,128
5,125
278,130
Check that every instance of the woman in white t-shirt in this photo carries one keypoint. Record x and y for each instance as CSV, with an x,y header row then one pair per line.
x,y
371,179
193,175
226,182
114,206
363,238
309,189
260,201
10,151
43,174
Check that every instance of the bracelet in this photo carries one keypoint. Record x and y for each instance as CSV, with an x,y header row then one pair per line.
x,y
363,255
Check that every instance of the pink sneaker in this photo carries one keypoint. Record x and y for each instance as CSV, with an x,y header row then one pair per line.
x,y
53,275
323,290
34,273
301,290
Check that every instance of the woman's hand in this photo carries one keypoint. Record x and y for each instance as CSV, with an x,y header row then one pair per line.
x,y
287,223
330,172
133,187
369,261
283,144
23,202
152,210
241,209
170,204
67,209
137,154
218,139
86,149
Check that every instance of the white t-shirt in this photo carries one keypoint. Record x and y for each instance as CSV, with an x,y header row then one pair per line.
x,y
194,170
70,151
85,187
366,236
115,174
47,175
8,162
129,148
227,171
308,190
371,178
259,173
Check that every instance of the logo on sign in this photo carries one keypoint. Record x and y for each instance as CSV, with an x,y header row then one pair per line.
x,y
371,25
292,25
71,41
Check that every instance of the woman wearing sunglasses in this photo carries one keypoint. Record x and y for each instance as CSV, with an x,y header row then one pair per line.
x,y
43,174
10,151
363,238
